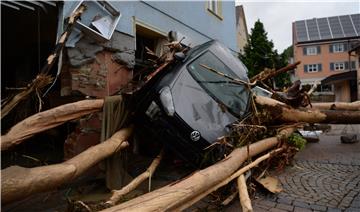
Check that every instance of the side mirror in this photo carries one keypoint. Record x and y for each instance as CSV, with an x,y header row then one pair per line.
x,y
179,56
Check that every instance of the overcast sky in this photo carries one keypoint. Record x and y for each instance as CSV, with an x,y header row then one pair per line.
x,y
277,16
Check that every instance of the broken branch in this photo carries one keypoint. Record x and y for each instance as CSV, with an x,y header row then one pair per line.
x,y
18,182
117,195
48,119
265,75
244,195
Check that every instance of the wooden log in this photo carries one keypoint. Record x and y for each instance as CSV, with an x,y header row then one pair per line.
x,y
282,113
18,182
244,195
354,106
117,195
176,195
48,119
229,179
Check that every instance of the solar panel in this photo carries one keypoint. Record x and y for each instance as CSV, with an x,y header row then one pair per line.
x,y
356,21
315,29
312,29
335,26
347,26
324,28
301,32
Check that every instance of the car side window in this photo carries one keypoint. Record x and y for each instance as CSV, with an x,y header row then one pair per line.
x,y
234,96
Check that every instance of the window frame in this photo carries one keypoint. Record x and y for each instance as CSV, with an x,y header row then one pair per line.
x,y
215,8
312,68
337,66
336,47
311,50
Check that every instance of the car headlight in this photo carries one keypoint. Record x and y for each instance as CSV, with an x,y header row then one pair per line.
x,y
167,101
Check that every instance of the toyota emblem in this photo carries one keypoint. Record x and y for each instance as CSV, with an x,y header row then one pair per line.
x,y
195,135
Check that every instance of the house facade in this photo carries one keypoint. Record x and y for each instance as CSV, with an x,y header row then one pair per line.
x,y
242,35
141,24
322,45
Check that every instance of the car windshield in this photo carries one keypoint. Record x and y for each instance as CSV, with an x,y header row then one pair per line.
x,y
233,95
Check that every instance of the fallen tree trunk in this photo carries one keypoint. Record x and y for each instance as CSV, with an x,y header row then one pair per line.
x,y
229,179
18,182
48,119
354,106
118,194
176,195
277,111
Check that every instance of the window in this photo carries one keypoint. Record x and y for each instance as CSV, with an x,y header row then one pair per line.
x,y
338,47
234,96
339,66
312,68
214,6
311,50
147,38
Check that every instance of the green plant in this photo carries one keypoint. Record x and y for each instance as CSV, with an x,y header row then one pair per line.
x,y
297,140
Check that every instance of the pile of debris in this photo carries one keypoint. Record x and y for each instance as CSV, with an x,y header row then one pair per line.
x,y
263,136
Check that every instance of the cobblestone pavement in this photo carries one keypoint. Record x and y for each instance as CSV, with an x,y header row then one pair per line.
x,y
325,177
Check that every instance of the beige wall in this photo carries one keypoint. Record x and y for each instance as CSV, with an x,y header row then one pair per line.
x,y
242,35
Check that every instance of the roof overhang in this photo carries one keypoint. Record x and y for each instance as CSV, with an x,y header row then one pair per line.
x,y
336,78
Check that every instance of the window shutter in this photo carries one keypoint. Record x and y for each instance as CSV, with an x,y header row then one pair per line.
x,y
331,48
345,47
331,66
305,68
318,50
346,65
304,50
353,65
319,67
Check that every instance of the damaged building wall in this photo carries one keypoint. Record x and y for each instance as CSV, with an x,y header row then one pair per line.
x,y
99,69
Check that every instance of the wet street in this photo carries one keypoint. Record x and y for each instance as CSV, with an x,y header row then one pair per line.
x,y
325,177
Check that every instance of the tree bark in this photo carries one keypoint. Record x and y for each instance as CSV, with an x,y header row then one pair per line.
x,y
48,119
353,106
282,113
177,194
18,182
244,195
229,179
118,194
